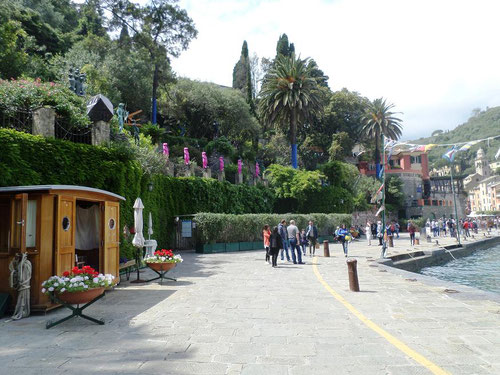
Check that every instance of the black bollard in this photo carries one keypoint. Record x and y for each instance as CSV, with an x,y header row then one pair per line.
x,y
326,249
353,275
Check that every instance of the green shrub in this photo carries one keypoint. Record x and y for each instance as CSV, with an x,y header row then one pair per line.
x,y
222,146
245,228
31,94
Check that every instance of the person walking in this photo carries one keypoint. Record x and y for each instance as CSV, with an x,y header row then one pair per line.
x,y
411,229
380,233
294,240
312,237
344,237
266,233
368,231
275,244
303,241
284,238
397,228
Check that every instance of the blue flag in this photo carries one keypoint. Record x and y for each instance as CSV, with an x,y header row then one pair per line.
x,y
450,154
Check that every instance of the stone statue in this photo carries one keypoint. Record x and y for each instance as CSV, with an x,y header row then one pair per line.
x,y
122,114
135,132
72,81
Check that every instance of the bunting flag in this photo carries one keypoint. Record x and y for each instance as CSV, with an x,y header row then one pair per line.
x,y
382,208
468,145
380,171
375,196
497,155
418,148
450,154
429,147
389,143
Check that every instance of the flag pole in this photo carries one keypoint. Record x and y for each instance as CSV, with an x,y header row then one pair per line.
x,y
454,202
384,244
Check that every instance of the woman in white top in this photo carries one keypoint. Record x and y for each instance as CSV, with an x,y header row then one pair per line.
x,y
368,231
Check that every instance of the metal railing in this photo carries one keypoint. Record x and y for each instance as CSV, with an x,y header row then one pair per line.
x,y
17,119
69,132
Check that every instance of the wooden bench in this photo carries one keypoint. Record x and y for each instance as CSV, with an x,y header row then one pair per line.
x,y
127,267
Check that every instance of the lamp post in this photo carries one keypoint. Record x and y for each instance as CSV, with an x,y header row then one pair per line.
x,y
454,202
384,244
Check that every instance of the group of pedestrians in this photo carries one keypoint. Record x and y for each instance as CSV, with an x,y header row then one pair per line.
x,y
283,238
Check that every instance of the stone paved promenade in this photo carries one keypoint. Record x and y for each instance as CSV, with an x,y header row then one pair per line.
x,y
233,314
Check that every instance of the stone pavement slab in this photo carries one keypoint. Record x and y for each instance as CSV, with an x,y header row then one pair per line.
x,y
231,313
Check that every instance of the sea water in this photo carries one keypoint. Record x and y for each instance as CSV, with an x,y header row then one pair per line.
x,y
480,270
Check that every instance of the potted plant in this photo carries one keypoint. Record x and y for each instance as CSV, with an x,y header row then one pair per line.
x,y
163,260
80,285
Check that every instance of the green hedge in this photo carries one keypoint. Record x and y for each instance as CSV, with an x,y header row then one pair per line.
x,y
32,160
213,227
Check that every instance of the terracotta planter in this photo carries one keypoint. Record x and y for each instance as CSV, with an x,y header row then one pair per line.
x,y
78,298
161,266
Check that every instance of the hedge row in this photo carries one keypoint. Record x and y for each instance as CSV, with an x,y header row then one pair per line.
x,y
32,160
212,227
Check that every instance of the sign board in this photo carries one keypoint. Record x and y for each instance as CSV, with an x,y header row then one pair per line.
x,y
186,228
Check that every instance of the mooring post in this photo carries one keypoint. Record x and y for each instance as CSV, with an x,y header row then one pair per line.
x,y
326,249
353,275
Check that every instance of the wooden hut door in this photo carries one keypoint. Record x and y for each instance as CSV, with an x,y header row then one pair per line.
x,y
18,223
65,233
111,238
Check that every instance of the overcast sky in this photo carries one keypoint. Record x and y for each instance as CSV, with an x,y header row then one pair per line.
x,y
436,60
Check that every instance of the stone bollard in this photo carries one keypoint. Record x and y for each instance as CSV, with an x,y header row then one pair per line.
x,y
391,241
326,249
239,178
353,275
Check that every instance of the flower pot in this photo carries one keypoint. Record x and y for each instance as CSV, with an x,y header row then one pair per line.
x,y
161,266
77,298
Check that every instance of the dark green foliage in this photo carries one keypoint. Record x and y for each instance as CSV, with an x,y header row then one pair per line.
x,y
245,228
283,47
221,146
31,94
33,160
394,198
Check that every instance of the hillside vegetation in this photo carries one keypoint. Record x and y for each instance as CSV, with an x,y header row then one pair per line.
x,y
482,124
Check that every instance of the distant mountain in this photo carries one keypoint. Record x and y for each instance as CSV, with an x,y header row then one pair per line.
x,y
482,124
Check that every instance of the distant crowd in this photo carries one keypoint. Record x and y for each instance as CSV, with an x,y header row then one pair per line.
x,y
291,242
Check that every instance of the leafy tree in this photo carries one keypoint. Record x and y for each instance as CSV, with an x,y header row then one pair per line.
x,y
206,110
242,76
160,27
341,146
394,195
283,47
12,54
288,182
289,96
378,119
437,132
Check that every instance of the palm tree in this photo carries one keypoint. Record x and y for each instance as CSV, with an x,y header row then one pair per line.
x,y
290,95
378,119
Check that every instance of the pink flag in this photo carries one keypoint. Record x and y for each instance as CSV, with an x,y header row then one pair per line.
x,y
257,170
204,159
240,165
165,149
186,155
221,163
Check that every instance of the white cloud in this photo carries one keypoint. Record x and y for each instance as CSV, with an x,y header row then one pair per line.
x,y
435,60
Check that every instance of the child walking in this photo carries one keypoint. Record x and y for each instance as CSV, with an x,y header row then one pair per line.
x,y
266,233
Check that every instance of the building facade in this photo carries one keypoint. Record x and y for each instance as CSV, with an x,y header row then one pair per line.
x,y
425,195
482,186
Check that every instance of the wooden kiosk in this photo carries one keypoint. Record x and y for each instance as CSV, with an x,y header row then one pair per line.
x,y
59,226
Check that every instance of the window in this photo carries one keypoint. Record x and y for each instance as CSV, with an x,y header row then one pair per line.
x,y
416,159
31,224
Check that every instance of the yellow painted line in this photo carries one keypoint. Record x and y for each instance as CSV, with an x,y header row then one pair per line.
x,y
435,369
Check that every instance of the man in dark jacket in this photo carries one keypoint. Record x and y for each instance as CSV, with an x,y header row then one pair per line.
x,y
284,237
312,236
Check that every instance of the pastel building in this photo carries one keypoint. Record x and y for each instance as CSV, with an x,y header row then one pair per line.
x,y
424,195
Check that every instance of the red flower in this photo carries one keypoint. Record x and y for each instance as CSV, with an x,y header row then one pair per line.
x,y
66,273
